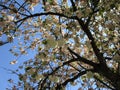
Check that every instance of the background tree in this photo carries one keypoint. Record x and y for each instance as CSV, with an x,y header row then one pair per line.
x,y
77,42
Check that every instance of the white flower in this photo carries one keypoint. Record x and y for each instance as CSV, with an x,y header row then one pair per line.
x,y
10,18
13,62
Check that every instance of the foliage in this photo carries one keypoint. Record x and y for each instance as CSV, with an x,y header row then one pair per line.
x,y
73,39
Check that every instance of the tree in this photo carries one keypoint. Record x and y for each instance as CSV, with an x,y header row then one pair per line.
x,y
77,42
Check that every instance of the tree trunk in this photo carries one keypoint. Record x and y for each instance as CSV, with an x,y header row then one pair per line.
x,y
113,78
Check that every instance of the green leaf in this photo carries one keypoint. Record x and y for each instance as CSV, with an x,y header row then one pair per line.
x,y
61,42
33,75
89,74
39,76
44,42
50,1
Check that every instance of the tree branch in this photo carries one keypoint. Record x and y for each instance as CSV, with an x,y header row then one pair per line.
x,y
103,82
15,11
3,43
83,59
108,58
73,5
66,63
74,78
92,41
47,13
21,6
41,84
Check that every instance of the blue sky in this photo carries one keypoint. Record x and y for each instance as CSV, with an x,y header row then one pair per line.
x,y
5,58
